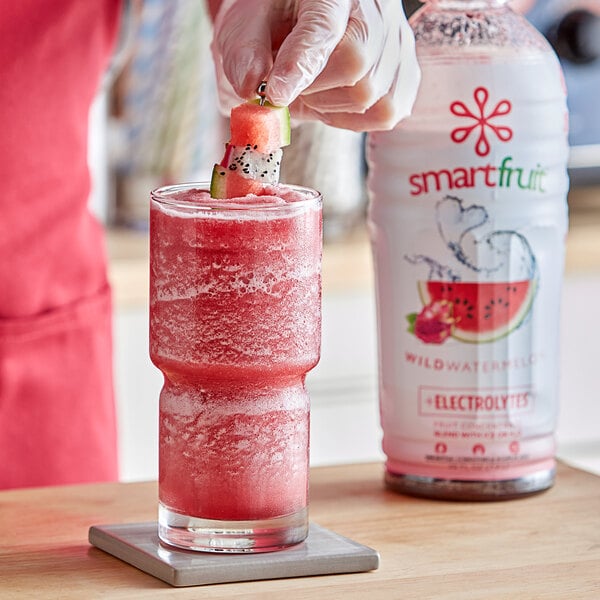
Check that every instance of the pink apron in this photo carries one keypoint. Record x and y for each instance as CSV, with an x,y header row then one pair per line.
x,y
57,417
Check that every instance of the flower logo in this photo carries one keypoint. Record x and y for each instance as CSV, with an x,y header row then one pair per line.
x,y
482,121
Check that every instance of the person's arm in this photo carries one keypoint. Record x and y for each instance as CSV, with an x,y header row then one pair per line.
x,y
213,7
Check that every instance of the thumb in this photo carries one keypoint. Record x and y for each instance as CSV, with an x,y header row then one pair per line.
x,y
241,45
320,26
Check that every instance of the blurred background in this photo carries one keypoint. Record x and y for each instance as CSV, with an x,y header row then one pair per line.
x,y
155,121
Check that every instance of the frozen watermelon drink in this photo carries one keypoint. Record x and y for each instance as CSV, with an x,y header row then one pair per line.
x,y
235,323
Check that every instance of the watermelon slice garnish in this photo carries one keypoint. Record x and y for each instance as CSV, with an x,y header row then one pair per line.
x,y
253,154
263,126
482,311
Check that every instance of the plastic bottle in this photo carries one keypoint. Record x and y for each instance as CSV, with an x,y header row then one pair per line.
x,y
468,217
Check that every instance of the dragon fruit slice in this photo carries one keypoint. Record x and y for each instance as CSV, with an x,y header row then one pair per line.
x,y
247,162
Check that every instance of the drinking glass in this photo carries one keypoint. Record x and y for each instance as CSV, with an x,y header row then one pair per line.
x,y
235,325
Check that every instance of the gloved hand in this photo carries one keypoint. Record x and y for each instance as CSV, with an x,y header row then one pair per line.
x,y
347,63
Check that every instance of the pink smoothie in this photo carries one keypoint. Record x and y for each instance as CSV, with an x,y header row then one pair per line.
x,y
235,326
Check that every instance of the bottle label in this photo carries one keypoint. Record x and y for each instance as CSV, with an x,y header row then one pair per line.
x,y
468,218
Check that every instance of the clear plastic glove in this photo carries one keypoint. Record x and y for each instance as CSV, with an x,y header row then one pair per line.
x,y
347,63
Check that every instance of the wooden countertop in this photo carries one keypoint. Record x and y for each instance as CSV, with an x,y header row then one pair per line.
x,y
545,546
347,264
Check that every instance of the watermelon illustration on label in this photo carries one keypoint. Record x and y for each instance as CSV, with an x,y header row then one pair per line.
x,y
481,312
484,310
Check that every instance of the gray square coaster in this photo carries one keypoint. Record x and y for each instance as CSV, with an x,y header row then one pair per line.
x,y
322,553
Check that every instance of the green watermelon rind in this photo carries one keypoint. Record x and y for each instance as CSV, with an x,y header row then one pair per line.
x,y
217,182
476,338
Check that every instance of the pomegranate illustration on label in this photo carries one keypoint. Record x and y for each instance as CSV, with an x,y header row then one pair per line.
x,y
435,323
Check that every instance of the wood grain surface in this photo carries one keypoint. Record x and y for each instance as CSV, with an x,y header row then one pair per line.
x,y
544,546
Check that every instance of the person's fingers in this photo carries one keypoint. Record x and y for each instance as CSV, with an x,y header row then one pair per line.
x,y
375,84
358,50
227,95
388,111
242,46
319,27
378,81
342,62
397,104
343,107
